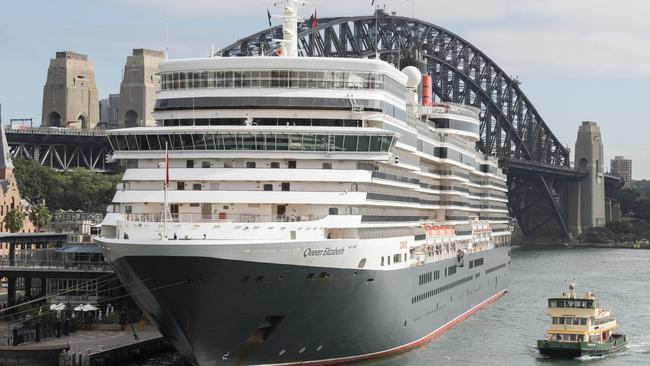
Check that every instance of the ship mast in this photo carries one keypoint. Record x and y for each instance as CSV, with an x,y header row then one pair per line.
x,y
290,28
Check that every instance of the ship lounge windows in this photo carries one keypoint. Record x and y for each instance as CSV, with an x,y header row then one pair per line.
x,y
261,141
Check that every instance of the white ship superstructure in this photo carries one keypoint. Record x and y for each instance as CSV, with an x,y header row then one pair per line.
x,y
298,185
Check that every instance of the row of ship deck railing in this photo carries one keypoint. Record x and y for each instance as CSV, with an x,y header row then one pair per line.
x,y
221,217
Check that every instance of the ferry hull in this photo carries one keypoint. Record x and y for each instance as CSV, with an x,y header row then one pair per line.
x,y
230,312
577,349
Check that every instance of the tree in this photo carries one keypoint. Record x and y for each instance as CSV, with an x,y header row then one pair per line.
x,y
78,189
628,199
40,215
14,220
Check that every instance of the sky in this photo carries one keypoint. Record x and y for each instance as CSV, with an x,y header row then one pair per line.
x,y
578,60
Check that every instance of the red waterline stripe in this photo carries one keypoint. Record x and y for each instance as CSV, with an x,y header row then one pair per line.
x,y
416,343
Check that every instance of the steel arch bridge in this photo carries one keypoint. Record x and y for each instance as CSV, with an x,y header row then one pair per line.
x,y
537,164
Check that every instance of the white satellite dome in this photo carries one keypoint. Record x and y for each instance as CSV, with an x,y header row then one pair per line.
x,y
414,76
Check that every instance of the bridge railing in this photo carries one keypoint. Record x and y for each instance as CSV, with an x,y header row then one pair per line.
x,y
55,131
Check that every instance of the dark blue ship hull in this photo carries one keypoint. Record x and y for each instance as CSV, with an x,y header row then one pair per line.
x,y
225,312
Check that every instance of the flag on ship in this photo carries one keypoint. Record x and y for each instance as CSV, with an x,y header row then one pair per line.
x,y
268,15
313,20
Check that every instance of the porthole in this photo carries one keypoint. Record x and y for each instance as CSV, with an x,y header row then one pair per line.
x,y
302,350
282,352
320,347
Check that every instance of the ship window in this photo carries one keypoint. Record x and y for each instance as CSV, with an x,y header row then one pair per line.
x,y
268,187
128,209
382,261
190,163
388,260
309,276
327,165
333,211
286,186
180,186
196,186
250,164
205,164
275,164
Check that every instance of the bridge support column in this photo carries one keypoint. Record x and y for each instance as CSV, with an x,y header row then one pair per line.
x,y
587,197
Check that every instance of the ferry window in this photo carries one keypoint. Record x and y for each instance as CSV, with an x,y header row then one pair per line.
x,y
128,209
268,187
190,164
250,164
286,186
196,186
275,164
333,211
292,164
388,260
194,205
583,321
327,165
180,186
560,320
382,261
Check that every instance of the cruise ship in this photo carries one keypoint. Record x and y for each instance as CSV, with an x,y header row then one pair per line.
x,y
296,210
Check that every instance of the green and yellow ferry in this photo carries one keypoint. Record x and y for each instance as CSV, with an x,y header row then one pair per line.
x,y
579,328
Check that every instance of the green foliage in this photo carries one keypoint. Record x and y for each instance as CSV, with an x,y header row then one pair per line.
x,y
79,189
634,204
40,215
642,186
14,220
599,235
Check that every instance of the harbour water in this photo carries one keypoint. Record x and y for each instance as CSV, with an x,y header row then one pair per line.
x,y
504,333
